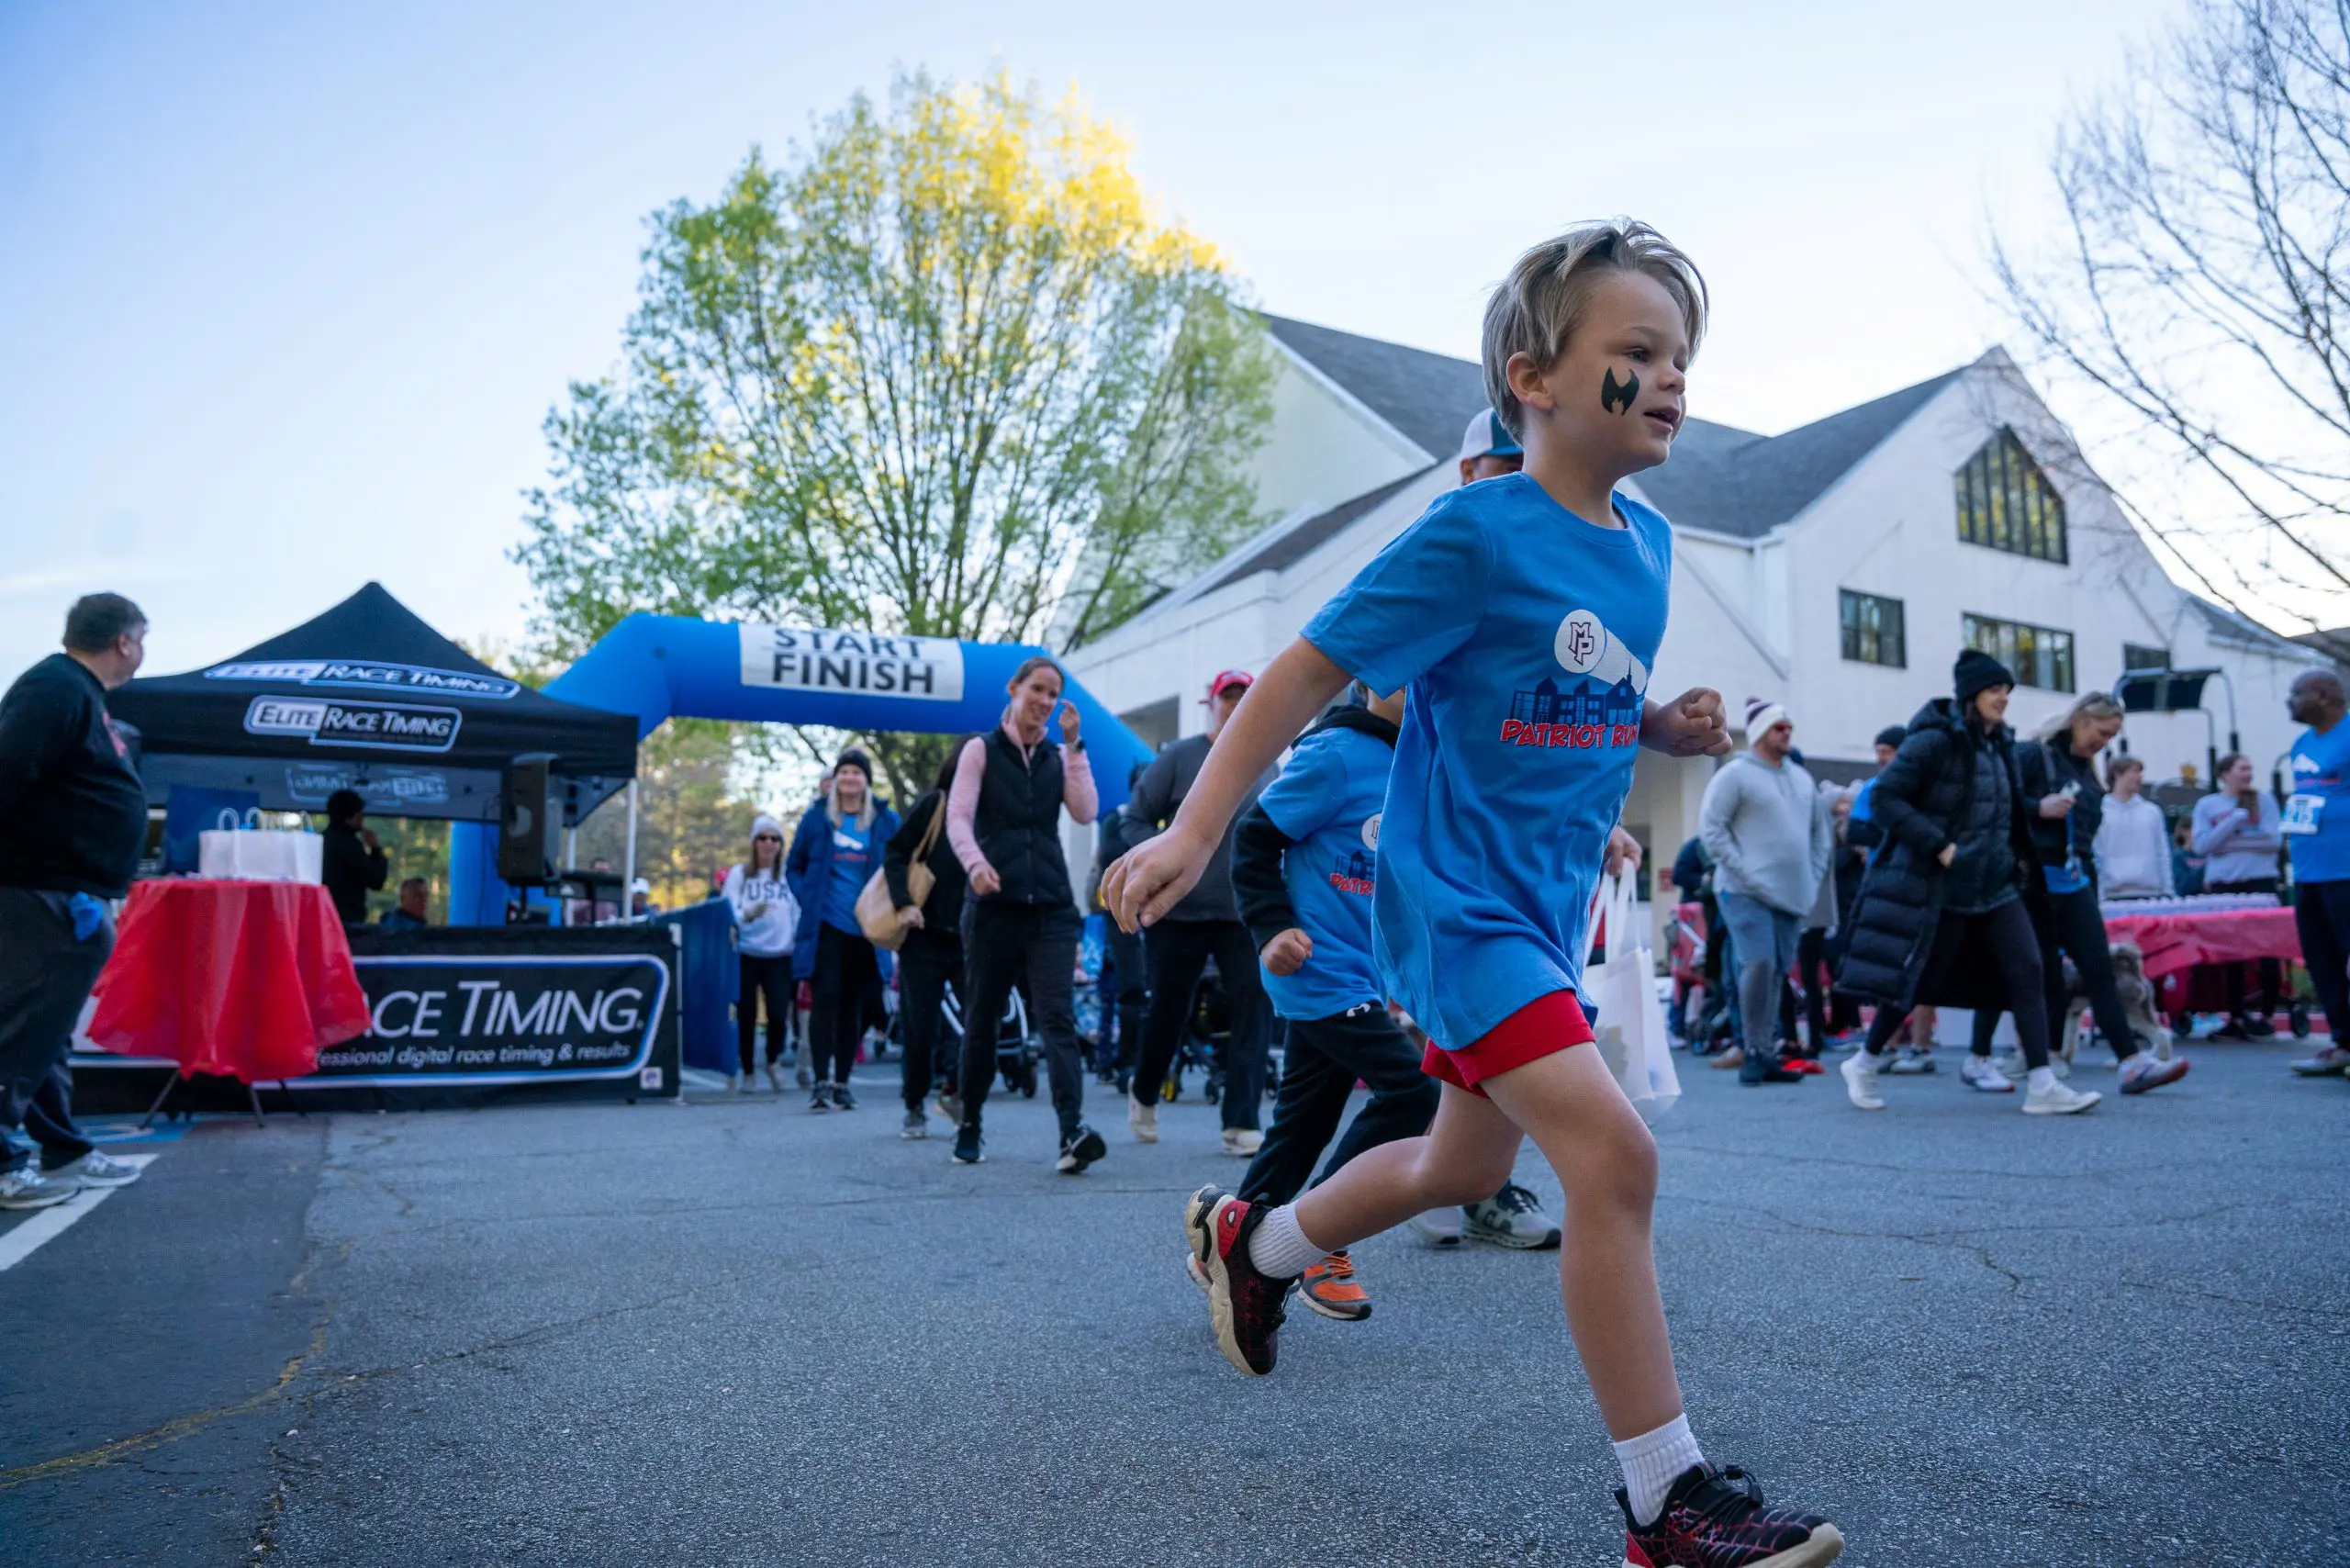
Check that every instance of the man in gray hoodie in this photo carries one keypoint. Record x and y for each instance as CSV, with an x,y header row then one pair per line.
x,y
1769,837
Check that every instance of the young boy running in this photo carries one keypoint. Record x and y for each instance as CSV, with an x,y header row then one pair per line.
x,y
1304,861
1524,615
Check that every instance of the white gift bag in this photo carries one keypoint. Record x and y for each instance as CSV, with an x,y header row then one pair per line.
x,y
247,853
1630,1029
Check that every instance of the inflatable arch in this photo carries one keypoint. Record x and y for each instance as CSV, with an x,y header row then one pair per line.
x,y
659,666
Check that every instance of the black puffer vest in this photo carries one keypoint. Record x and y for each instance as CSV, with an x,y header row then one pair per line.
x,y
1018,821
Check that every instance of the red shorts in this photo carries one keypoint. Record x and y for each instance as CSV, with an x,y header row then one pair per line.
x,y
1547,1025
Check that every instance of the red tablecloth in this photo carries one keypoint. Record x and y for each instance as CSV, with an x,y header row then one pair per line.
x,y
247,980
2182,940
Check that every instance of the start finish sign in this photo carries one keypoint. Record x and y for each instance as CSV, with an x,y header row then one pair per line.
x,y
803,658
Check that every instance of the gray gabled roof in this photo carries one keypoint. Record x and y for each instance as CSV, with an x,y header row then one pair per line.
x,y
1305,537
2226,622
1728,481
1721,478
1426,397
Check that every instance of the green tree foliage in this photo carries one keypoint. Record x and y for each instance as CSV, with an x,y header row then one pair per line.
x,y
943,372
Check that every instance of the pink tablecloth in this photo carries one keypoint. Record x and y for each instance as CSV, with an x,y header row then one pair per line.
x,y
2181,941
246,980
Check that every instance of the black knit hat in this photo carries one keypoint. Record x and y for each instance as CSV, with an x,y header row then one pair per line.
x,y
855,758
1977,671
1893,735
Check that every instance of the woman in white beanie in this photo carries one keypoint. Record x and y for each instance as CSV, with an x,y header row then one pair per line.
x,y
767,922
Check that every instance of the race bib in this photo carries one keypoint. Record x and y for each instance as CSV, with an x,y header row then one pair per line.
x,y
2301,813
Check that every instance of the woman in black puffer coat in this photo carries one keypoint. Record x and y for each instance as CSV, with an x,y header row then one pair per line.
x,y
1942,916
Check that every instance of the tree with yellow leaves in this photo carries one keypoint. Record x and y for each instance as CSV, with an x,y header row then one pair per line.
x,y
944,373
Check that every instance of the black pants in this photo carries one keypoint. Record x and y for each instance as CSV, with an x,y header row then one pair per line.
x,y
2322,911
928,961
1178,952
2074,928
1325,1058
2272,971
1825,1011
44,976
770,977
1035,941
844,965
1125,992
1998,952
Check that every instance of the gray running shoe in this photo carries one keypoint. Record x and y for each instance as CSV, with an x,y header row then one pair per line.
x,y
916,1125
820,1098
25,1188
96,1168
2329,1061
1439,1227
1513,1217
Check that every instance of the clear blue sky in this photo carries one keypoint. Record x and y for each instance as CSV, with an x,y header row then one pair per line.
x,y
285,290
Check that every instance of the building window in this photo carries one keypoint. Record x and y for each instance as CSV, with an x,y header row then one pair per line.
x,y
2136,655
1872,629
2005,502
2040,656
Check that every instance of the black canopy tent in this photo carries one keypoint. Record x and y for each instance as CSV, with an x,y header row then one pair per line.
x,y
367,697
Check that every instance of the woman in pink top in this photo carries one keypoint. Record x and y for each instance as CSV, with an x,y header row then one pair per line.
x,y
1020,914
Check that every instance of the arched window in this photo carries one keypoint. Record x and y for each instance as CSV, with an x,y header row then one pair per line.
x,y
2006,503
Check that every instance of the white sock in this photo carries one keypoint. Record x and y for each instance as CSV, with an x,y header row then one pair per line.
x,y
1279,1250
1652,1463
2043,1078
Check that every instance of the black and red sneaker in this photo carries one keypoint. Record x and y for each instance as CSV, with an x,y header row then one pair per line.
x,y
1245,1306
1717,1519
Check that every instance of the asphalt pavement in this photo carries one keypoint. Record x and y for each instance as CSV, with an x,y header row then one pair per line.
x,y
738,1333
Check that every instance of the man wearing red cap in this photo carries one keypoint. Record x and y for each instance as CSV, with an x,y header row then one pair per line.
x,y
1205,923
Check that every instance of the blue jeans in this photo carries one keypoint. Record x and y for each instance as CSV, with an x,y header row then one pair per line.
x,y
1762,942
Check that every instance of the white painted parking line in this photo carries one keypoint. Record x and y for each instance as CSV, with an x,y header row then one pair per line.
x,y
48,1225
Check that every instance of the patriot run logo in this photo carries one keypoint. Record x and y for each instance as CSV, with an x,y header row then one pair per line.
x,y
1358,876
1602,708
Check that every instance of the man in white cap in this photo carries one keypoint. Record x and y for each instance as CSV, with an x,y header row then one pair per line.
x,y
1770,835
1487,449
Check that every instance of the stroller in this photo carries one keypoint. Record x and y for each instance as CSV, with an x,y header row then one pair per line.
x,y
1016,1049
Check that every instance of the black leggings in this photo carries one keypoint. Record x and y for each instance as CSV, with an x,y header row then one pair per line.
x,y
928,961
844,965
771,978
1996,948
2322,913
2075,925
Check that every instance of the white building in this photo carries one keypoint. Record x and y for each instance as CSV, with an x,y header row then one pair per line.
x,y
1837,567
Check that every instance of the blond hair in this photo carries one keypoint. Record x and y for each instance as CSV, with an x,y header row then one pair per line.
x,y
2095,706
1548,293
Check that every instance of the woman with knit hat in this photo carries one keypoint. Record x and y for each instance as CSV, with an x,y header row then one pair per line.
x,y
1942,914
767,922
837,846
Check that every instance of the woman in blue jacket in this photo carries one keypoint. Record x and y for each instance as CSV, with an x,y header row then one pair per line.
x,y
837,846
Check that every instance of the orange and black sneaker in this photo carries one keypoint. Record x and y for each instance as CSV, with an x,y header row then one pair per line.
x,y
1331,1289
1245,1306
1717,1519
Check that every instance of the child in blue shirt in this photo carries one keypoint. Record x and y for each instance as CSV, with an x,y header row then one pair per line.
x,y
1305,866
1524,614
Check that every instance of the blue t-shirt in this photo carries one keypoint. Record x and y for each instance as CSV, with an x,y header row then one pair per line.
x,y
1327,799
2316,819
852,858
1526,636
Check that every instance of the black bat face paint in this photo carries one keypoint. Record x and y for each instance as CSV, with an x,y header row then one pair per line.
x,y
1616,398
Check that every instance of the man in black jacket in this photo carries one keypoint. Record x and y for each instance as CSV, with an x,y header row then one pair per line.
x,y
73,818
1204,924
351,862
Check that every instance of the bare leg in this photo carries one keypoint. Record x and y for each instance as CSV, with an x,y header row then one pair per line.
x,y
1606,1161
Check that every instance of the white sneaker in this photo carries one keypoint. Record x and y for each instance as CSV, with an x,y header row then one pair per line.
x,y
1982,1072
1141,1120
775,1075
1439,1227
734,1081
1241,1143
25,1188
97,1168
1860,1082
2057,1100
1908,1059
